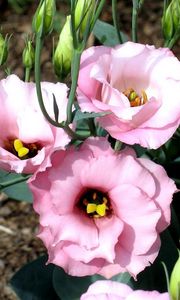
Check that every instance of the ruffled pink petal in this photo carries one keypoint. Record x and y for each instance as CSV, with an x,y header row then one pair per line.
x,y
89,57
66,180
140,216
108,289
67,228
106,242
75,268
95,174
99,146
165,188
132,263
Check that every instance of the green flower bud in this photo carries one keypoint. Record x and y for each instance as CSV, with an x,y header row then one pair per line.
x,y
44,17
3,49
63,53
175,281
171,20
28,55
84,13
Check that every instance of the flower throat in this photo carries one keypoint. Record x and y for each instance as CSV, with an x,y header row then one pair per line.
x,y
22,150
95,203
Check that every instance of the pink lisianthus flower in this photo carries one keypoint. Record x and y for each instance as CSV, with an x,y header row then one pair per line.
x,y
100,211
138,85
106,289
26,138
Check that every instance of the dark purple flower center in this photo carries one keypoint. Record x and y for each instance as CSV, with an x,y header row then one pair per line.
x,y
20,149
95,203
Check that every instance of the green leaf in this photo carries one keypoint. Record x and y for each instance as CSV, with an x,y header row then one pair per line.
x,y
71,288
18,191
106,34
81,116
34,281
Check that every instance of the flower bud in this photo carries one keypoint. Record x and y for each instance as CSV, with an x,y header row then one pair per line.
x,y
64,50
3,49
175,281
84,13
44,16
28,55
171,20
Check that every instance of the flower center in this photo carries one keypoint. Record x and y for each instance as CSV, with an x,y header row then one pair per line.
x,y
134,98
22,150
95,203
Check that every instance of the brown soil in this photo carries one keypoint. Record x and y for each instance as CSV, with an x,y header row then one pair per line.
x,y
18,222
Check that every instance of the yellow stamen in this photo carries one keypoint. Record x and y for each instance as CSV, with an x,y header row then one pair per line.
x,y
23,152
101,209
144,96
91,208
17,144
134,98
20,149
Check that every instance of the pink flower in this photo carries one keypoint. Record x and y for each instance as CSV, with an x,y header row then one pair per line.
x,y
101,212
106,289
140,88
26,138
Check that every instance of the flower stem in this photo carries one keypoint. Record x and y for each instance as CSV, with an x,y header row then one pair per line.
x,y
115,20
69,131
134,20
97,13
27,74
74,75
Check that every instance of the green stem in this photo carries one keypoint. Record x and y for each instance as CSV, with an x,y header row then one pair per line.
x,y
39,43
73,27
115,20
74,75
134,21
97,13
69,131
27,74
13,181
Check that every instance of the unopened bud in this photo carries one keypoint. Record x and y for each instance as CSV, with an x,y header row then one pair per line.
x,y
171,20
175,281
44,17
63,53
3,49
84,13
28,55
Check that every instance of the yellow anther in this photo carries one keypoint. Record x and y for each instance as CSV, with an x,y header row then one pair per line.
x,y
20,149
132,96
91,208
94,196
17,145
105,200
23,151
144,96
101,209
